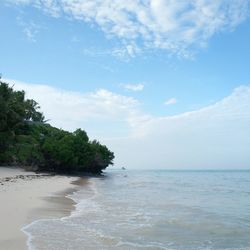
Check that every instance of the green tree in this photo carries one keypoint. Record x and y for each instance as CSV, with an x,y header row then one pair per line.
x,y
26,140
14,115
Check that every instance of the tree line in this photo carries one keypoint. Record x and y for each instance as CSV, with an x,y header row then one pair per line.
x,y
27,140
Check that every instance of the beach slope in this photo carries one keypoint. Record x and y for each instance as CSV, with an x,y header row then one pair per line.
x,y
26,197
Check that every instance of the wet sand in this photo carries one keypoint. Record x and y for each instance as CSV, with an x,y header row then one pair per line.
x,y
26,197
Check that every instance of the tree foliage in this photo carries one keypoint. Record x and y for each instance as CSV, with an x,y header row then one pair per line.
x,y
26,140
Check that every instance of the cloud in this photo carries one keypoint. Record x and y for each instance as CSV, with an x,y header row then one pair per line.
x,y
133,87
170,101
30,29
216,136
51,7
175,26
102,113
124,52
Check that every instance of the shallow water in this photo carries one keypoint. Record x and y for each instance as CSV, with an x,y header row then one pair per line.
x,y
153,210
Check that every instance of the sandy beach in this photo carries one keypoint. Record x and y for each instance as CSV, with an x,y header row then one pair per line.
x,y
26,197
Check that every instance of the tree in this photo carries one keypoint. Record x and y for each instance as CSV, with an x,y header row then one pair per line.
x,y
15,113
25,139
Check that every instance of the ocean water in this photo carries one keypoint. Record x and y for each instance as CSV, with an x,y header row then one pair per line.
x,y
153,210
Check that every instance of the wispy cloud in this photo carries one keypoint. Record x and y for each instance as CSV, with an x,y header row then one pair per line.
x,y
133,87
30,29
126,51
51,7
175,26
170,101
123,52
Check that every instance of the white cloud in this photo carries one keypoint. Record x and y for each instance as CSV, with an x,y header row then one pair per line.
x,y
30,29
176,26
217,136
133,87
102,113
51,7
123,52
170,101
126,51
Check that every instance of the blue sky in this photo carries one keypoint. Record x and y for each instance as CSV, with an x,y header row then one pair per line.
x,y
129,72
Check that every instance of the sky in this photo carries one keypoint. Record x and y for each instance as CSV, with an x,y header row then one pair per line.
x,y
164,84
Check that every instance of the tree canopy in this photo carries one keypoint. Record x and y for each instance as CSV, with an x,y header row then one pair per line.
x,y
27,140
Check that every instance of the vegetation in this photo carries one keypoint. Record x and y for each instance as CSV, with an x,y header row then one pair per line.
x,y
27,140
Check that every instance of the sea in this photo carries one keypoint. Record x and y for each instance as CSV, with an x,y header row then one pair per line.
x,y
151,210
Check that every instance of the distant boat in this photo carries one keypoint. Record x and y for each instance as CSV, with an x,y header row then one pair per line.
x,y
123,168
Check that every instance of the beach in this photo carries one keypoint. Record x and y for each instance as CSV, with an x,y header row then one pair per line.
x,y
26,197
124,210
153,210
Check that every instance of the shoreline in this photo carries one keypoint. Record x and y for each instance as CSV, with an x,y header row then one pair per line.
x,y
27,197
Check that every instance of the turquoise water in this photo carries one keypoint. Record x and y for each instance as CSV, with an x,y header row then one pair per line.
x,y
153,210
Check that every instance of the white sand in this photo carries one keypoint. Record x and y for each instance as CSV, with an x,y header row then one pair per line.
x,y
25,200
